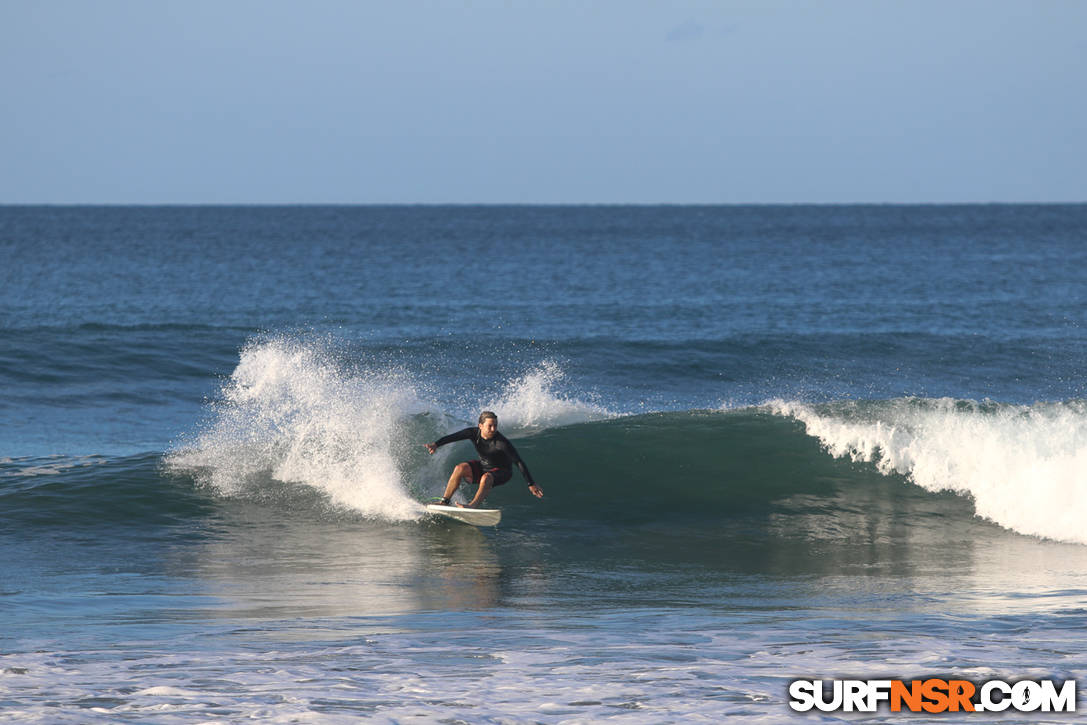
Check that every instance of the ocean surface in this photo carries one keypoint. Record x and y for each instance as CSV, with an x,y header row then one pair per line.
x,y
775,442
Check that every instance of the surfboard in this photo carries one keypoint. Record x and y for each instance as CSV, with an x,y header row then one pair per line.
x,y
475,517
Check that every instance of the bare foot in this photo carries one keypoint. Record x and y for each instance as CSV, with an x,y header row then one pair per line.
x,y
465,505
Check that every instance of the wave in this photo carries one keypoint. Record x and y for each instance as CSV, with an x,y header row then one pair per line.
x,y
301,423
294,412
697,472
94,491
1023,466
345,443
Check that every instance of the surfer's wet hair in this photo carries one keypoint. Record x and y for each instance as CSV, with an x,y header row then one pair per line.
x,y
487,414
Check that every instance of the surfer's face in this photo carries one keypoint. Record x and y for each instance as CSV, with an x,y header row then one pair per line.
x,y
488,428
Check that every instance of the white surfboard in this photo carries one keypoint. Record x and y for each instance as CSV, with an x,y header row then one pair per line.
x,y
475,517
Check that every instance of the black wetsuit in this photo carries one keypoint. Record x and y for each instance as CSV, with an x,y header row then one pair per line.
x,y
496,456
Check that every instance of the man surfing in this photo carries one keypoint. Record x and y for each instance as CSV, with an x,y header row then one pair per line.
x,y
494,467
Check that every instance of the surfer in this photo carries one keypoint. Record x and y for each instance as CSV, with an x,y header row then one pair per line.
x,y
494,466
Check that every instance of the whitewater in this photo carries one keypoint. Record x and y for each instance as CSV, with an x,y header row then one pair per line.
x,y
1023,467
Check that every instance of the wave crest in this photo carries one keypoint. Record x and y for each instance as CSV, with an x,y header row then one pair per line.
x,y
531,402
293,413
1023,466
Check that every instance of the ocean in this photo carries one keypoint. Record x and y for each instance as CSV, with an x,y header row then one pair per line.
x,y
775,443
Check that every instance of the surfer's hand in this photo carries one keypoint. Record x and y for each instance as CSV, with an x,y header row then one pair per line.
x,y
536,491
430,448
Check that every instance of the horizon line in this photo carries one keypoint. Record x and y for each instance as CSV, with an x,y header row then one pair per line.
x,y
177,204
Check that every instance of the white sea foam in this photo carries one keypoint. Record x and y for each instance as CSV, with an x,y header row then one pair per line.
x,y
617,664
532,402
291,412
1025,467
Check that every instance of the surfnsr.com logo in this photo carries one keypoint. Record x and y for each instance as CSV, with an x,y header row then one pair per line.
x,y
933,695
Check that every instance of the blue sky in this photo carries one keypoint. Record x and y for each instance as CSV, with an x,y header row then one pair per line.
x,y
558,102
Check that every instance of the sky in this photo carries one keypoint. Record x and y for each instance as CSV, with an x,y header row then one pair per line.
x,y
323,101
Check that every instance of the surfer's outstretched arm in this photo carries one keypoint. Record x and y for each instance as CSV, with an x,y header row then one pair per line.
x,y
461,435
